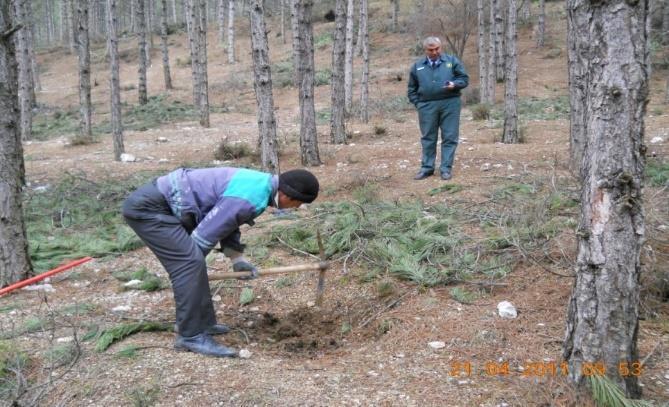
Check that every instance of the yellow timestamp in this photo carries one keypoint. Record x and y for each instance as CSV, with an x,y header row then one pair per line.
x,y
465,368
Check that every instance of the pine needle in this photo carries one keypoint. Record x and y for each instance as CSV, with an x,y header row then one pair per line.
x,y
606,393
119,332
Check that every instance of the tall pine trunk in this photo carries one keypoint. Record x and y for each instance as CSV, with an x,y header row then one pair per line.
x,y
541,24
337,124
348,64
114,81
482,53
283,20
72,24
498,28
603,312
510,134
193,47
308,135
295,33
202,62
15,262
267,140
25,84
364,82
140,20
395,14
231,31
358,42
222,11
85,106
163,43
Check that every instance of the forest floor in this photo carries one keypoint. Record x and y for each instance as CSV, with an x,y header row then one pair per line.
x,y
361,347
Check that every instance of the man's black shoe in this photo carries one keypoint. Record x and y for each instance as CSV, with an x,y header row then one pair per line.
x,y
422,175
204,344
446,175
218,329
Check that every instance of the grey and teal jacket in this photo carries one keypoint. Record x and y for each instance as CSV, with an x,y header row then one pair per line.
x,y
217,201
427,82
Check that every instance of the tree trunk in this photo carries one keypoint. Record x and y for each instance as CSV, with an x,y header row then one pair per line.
x,y
222,9
85,106
665,23
308,135
140,20
34,69
148,29
15,262
25,78
72,24
175,14
364,83
163,42
193,47
541,25
525,12
348,64
510,134
492,56
63,26
337,124
498,27
603,312
283,20
202,62
481,47
114,81
358,43
231,31
267,140
576,67
295,29
395,14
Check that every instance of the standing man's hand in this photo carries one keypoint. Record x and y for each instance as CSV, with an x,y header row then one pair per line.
x,y
449,85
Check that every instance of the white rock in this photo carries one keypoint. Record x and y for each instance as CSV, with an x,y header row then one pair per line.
x,y
65,339
437,344
254,309
656,140
245,354
132,283
497,165
216,298
470,148
128,158
666,376
506,310
485,167
40,287
163,160
541,324
372,373
121,308
162,139
311,304
41,188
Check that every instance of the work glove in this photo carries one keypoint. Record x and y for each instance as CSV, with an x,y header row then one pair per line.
x,y
241,264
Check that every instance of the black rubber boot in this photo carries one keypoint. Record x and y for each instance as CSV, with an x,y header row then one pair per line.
x,y
204,344
218,329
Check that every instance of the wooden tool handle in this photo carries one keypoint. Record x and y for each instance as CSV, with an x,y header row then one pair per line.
x,y
322,265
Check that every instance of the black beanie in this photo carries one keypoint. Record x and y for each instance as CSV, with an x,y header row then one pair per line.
x,y
299,184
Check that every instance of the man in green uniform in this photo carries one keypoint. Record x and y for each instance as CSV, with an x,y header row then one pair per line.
x,y
434,88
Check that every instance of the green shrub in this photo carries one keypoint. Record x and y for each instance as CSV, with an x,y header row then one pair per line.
x,y
480,112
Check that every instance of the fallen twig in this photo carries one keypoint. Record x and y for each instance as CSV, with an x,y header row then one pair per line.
x,y
384,309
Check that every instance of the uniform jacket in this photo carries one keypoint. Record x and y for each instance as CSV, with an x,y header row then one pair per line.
x,y
427,83
217,201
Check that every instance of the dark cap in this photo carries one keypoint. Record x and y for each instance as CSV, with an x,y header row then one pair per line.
x,y
299,184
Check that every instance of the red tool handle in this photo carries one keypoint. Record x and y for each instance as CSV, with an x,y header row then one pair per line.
x,y
42,276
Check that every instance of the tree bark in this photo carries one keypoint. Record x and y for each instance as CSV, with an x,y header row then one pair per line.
x,y
337,124
25,78
510,134
115,81
358,42
308,135
267,140
525,12
541,24
492,56
283,20
85,106
231,31
202,62
175,14
222,10
498,27
481,47
140,20
193,47
73,24
603,312
364,83
34,69
348,64
395,14
665,23
163,43
15,262
295,29
148,29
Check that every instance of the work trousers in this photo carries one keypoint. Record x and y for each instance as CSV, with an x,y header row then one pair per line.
x,y
146,211
434,115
